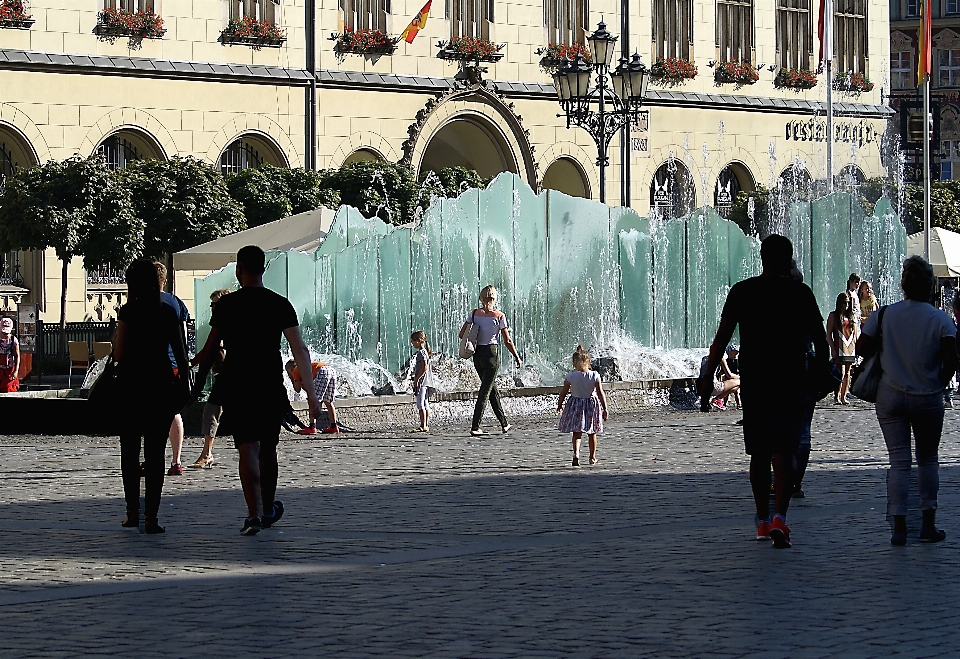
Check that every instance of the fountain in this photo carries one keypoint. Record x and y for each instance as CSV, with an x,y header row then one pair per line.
x,y
570,271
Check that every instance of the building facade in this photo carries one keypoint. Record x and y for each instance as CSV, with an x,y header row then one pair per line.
x,y
71,82
945,87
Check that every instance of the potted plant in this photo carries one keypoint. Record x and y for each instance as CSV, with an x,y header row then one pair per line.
x,y
852,82
672,71
249,31
114,22
470,49
555,53
736,73
795,79
364,42
14,14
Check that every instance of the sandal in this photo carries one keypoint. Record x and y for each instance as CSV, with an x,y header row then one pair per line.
x,y
202,463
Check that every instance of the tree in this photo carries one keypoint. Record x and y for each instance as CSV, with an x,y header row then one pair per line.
x,y
944,206
270,193
385,189
77,207
182,202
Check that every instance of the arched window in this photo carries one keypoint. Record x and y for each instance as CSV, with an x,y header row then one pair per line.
x,y
795,182
118,151
365,14
794,34
250,151
734,30
470,18
672,29
7,165
850,178
733,179
566,175
672,193
566,21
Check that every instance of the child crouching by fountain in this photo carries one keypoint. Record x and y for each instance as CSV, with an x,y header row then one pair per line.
x,y
424,384
587,409
325,386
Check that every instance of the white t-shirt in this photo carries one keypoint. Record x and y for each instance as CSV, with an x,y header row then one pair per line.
x,y
488,327
911,334
582,383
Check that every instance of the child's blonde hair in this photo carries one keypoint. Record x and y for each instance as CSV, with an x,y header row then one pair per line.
x,y
581,359
487,292
420,335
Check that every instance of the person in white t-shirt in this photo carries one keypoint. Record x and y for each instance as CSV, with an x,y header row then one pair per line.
x,y
918,356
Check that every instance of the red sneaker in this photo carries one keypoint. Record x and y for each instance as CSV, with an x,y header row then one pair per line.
x,y
718,403
307,431
780,534
763,531
176,469
331,430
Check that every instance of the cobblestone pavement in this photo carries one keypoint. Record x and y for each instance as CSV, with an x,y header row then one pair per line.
x,y
451,546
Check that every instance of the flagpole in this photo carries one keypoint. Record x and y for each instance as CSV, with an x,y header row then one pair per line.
x,y
926,167
828,59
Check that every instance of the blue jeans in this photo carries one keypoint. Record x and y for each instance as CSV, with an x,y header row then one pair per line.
x,y
898,414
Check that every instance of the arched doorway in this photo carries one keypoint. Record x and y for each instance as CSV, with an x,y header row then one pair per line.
x,y
672,193
733,179
850,178
471,142
251,150
795,182
363,155
126,145
15,152
567,176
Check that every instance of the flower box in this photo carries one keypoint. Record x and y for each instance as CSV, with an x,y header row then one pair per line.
x,y
735,73
364,42
672,71
852,82
113,23
468,49
555,54
251,32
796,79
14,15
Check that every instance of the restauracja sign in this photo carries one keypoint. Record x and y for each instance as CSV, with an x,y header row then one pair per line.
x,y
814,130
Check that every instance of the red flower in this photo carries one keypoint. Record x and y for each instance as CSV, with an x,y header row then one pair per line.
x,y
13,10
254,29
562,51
144,24
738,73
472,47
672,71
361,41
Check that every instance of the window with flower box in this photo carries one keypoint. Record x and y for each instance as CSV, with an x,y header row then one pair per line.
x,y
470,18
566,21
850,36
253,23
902,73
15,14
734,30
672,29
137,19
794,34
359,15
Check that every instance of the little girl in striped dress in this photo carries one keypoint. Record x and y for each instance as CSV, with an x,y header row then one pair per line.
x,y
587,408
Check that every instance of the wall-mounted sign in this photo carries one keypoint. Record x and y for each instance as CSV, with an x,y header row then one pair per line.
x,y
815,130
27,326
639,135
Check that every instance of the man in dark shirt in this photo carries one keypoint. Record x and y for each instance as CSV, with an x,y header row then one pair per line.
x,y
250,323
774,356
176,428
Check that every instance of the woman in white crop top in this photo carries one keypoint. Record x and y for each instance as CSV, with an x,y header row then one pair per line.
x,y
491,324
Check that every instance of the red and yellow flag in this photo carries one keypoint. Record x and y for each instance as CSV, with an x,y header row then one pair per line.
x,y
418,23
925,44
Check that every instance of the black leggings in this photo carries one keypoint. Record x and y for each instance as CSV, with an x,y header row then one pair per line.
x,y
153,426
487,362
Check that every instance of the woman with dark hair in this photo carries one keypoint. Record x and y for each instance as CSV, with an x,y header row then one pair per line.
x,y
152,394
918,356
843,331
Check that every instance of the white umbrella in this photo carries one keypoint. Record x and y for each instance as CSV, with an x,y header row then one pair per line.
x,y
944,250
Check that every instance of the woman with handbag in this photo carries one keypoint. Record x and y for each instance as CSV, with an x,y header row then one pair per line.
x,y
483,328
150,394
843,330
917,348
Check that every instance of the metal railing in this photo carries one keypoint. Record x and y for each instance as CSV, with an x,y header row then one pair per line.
x,y
88,331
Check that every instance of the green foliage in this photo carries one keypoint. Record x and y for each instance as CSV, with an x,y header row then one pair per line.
x,y
270,193
944,206
741,210
183,202
451,182
77,207
385,189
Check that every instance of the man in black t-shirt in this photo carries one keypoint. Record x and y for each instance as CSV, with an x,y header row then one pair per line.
x,y
778,318
250,323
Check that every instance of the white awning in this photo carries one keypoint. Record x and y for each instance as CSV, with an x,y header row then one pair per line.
x,y
302,232
944,250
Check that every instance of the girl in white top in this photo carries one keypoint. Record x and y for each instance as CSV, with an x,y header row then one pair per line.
x,y
582,413
424,384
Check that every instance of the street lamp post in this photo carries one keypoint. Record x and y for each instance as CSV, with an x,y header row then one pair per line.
x,y
618,95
